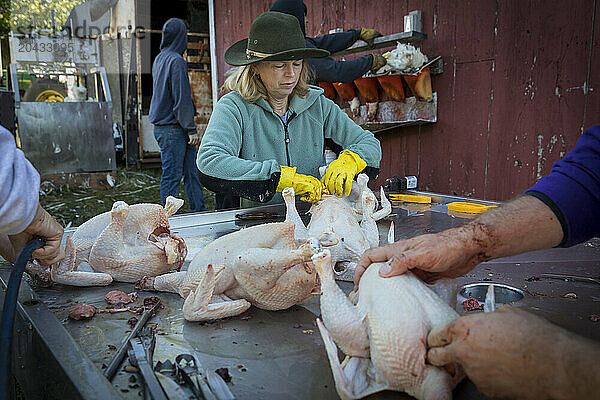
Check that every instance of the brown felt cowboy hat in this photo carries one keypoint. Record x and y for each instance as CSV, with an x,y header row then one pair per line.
x,y
273,36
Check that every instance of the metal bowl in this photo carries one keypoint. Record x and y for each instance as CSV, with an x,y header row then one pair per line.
x,y
503,293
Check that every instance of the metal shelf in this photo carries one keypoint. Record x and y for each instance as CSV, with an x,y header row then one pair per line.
x,y
383,41
393,114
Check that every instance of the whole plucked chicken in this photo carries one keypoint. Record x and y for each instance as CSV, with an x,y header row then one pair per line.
x,y
382,328
261,265
349,223
124,244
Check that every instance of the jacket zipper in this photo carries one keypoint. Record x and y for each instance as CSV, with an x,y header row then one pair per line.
x,y
287,137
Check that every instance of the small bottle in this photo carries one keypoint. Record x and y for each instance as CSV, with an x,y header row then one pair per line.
x,y
329,156
397,183
411,182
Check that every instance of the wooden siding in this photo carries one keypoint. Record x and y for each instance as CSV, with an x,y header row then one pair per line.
x,y
521,82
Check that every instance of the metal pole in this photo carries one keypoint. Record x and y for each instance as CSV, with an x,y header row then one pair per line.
x,y
213,52
109,372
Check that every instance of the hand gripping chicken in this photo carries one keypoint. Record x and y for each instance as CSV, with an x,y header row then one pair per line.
x,y
349,223
383,330
125,244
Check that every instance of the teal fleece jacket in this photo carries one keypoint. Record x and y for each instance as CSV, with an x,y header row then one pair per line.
x,y
245,143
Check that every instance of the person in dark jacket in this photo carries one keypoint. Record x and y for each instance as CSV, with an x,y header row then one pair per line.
x,y
172,113
327,69
510,353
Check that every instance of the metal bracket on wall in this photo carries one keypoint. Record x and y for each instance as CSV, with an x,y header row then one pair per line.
x,y
413,21
437,66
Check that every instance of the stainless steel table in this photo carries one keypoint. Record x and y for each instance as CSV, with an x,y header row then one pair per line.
x,y
270,355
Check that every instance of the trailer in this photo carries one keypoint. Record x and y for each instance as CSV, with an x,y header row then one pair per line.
x,y
106,46
270,354
58,135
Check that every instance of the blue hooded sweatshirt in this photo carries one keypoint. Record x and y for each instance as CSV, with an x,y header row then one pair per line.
x,y
171,92
327,69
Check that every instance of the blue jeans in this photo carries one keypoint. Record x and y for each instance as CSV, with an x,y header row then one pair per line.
x,y
178,159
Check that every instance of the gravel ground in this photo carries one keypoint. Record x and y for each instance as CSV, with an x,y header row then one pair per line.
x,y
73,205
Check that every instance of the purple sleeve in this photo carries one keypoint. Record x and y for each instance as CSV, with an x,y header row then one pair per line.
x,y
572,190
19,187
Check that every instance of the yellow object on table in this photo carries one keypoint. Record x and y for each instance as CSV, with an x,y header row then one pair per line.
x,y
410,198
471,208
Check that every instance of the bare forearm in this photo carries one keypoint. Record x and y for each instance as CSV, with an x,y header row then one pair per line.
x,y
577,372
524,224
521,225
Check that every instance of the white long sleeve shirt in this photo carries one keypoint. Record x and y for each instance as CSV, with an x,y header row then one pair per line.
x,y
19,187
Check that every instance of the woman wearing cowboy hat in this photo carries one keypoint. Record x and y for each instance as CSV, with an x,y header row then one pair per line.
x,y
269,132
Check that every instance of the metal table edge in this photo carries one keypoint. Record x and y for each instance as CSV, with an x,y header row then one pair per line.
x,y
446,198
86,378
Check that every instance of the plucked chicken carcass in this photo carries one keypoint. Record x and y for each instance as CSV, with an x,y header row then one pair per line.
x,y
348,224
269,265
383,330
124,244
261,265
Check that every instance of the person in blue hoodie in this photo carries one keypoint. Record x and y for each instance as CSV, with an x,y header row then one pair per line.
x,y
172,113
327,69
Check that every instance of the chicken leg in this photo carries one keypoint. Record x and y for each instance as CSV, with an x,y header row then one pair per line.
x,y
368,224
291,214
64,271
172,205
355,377
344,321
197,305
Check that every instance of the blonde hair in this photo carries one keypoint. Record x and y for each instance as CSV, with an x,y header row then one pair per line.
x,y
248,84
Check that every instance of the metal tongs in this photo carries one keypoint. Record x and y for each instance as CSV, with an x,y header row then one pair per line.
x,y
140,356
109,372
573,277
188,370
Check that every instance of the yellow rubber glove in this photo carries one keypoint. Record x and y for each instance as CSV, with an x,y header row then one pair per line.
x,y
368,34
341,172
308,186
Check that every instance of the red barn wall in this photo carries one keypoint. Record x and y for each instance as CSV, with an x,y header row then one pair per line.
x,y
521,82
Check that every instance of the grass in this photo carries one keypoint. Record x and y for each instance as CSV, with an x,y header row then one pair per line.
x,y
73,205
